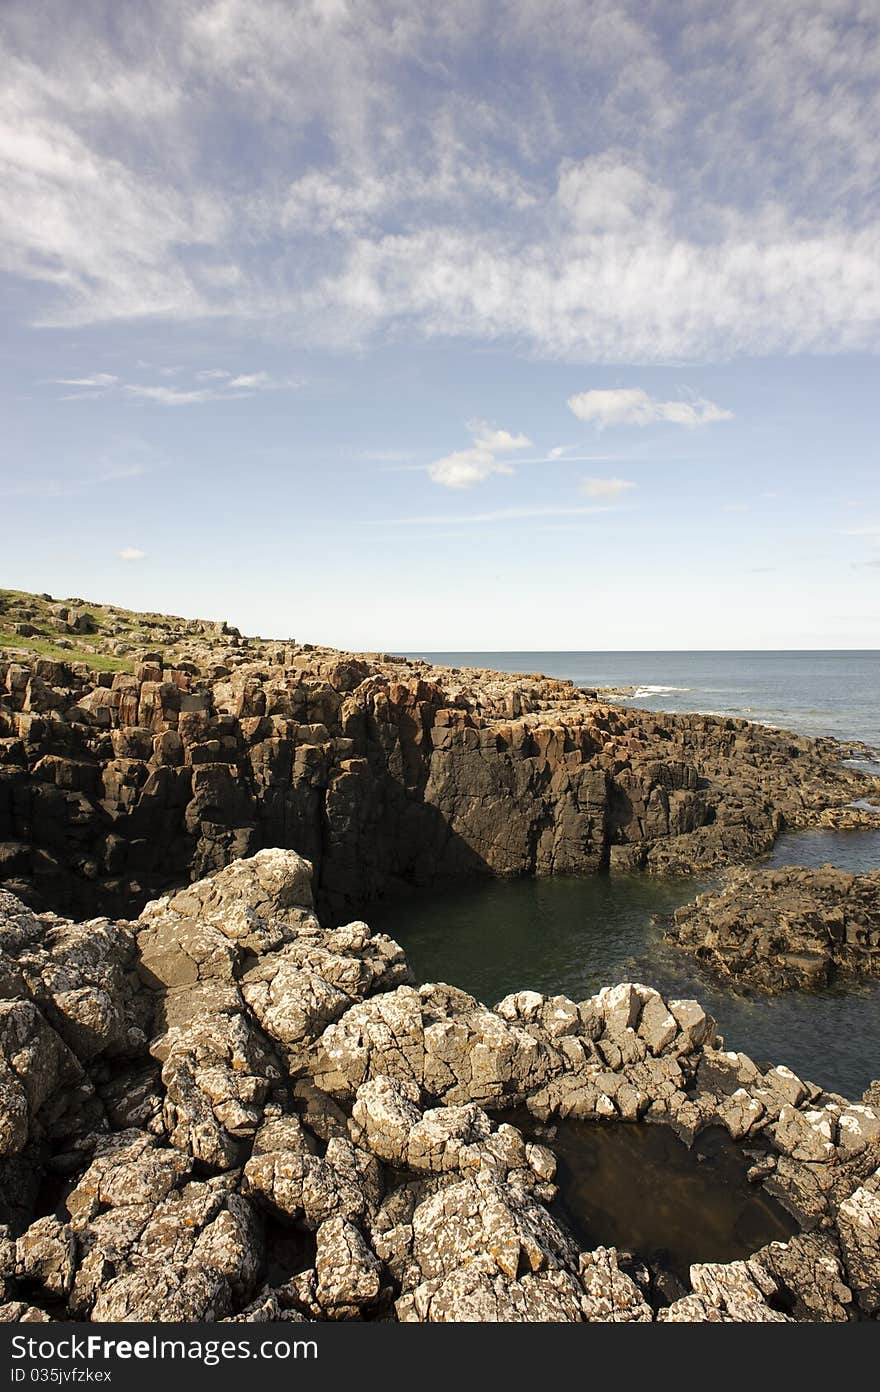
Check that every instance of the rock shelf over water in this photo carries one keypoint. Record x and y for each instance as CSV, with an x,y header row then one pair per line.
x,y
222,1110
204,746
786,928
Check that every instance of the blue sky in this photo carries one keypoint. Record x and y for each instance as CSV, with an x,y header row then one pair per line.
x,y
528,324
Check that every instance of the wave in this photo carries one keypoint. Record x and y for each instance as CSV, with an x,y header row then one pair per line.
x,y
657,690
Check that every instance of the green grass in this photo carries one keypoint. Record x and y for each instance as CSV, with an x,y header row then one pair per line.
x,y
139,630
44,647
101,613
41,645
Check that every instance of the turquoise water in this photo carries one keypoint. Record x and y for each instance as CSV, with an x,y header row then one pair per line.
x,y
814,693
573,935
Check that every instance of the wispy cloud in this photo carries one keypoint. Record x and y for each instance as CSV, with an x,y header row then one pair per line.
x,y
553,457
633,406
604,487
721,204
97,379
464,468
222,386
79,483
511,514
131,553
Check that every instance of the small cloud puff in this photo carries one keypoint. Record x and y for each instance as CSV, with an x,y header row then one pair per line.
x,y
604,487
463,468
131,553
633,406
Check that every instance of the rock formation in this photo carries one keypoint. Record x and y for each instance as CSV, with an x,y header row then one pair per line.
x,y
787,928
224,1111
384,772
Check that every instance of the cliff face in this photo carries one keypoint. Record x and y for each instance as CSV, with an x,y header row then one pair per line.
x,y
383,772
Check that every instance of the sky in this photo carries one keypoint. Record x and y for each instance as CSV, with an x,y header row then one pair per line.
x,y
473,326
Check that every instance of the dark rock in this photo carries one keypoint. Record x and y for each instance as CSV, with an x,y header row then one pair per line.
x,y
787,928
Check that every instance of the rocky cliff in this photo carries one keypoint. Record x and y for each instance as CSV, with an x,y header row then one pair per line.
x,y
385,772
223,1110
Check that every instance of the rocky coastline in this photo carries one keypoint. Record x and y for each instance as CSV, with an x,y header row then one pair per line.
x,y
119,785
221,1099
224,1111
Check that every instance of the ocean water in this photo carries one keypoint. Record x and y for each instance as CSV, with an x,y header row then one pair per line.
x,y
575,934
571,935
813,693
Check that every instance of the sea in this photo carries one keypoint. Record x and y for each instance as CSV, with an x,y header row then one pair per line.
x,y
572,934
814,693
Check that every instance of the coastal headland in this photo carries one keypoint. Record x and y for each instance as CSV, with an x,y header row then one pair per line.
x,y
193,746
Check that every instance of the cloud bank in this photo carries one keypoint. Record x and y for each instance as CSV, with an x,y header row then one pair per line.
x,y
647,189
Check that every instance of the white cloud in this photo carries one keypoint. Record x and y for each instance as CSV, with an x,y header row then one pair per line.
x,y
171,396
633,406
498,441
223,386
97,379
605,487
722,202
131,553
113,473
648,296
464,468
606,194
511,514
249,380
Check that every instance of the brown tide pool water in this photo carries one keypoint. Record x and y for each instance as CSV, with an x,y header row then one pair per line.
x,y
573,935
637,1187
